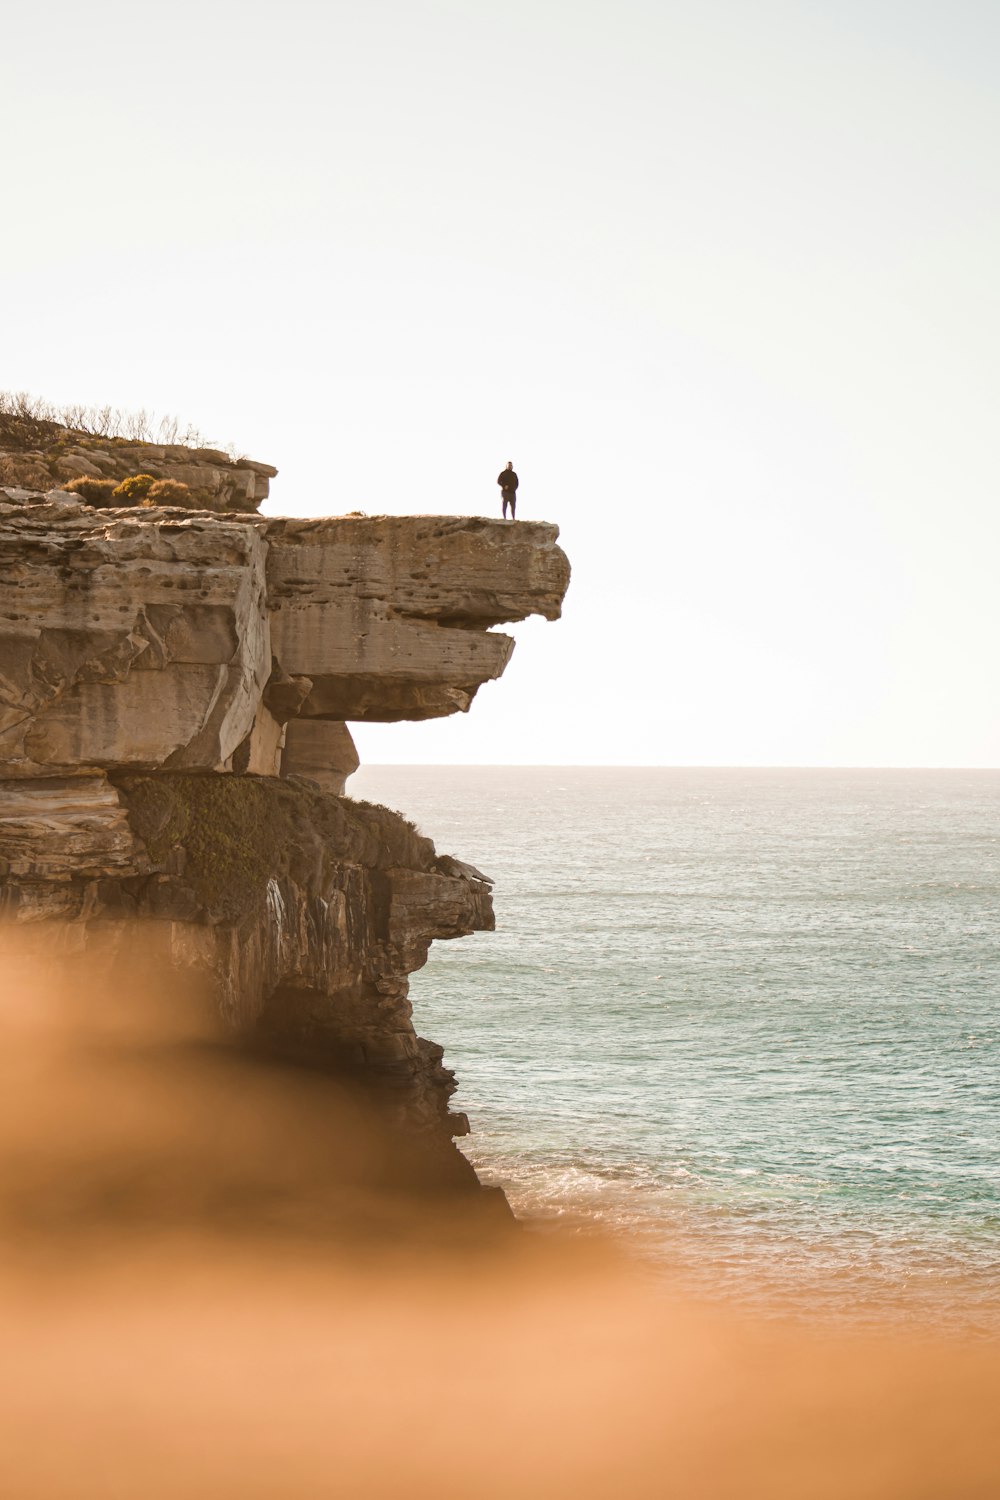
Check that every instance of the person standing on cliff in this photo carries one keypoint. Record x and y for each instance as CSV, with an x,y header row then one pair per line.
x,y
508,489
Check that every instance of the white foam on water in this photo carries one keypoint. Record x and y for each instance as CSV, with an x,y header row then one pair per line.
x,y
778,1051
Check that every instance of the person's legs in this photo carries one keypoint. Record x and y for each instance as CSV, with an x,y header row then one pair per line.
x,y
506,502
513,506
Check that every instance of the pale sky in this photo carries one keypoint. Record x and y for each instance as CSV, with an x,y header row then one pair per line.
x,y
720,276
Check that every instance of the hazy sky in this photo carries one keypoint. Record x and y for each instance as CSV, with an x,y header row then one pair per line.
x,y
720,276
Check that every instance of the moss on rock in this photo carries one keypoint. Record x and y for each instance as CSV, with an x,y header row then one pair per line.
x,y
232,834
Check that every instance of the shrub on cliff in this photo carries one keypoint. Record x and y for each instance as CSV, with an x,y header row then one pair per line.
x,y
99,492
134,489
168,492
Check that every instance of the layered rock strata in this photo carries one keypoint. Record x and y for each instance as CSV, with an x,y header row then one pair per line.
x,y
300,914
151,637
126,641
390,617
174,687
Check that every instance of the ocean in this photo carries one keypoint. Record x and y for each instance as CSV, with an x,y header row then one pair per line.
x,y
746,1020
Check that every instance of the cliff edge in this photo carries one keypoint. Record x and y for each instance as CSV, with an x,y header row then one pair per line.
x,y
176,686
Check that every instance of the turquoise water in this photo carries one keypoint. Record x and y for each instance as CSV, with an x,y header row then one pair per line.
x,y
751,1019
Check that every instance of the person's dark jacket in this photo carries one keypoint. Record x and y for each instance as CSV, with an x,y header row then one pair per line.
x,y
507,479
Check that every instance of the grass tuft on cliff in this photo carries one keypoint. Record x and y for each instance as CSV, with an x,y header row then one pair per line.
x,y
169,492
135,489
97,492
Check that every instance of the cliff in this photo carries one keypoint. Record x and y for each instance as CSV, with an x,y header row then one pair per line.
x,y
153,638
175,691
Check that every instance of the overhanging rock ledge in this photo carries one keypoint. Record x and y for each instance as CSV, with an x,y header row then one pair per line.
x,y
175,692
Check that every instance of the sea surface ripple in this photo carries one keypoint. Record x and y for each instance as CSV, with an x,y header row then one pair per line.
x,y
749,1017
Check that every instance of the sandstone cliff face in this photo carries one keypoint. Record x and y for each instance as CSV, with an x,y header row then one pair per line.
x,y
300,914
174,687
390,616
125,641
152,637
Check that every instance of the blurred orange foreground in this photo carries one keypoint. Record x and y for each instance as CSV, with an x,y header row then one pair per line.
x,y
187,1371
189,1308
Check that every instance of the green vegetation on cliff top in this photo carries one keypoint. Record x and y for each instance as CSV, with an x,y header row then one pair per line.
x,y
227,836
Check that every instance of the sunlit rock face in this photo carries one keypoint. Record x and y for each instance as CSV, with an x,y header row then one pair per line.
x,y
321,749
390,616
127,639
175,687
154,637
37,455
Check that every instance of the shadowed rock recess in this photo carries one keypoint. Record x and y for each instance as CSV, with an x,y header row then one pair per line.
x,y
175,692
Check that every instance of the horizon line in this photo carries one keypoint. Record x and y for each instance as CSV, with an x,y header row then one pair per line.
x,y
552,765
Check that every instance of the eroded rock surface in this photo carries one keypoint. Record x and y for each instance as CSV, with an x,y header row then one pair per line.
x,y
148,637
127,641
390,616
174,691
56,837
321,749
303,914
40,455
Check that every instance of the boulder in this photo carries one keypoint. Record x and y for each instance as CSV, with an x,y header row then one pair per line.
x,y
321,749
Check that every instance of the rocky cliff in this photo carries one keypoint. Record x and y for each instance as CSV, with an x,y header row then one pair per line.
x,y
175,689
36,453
